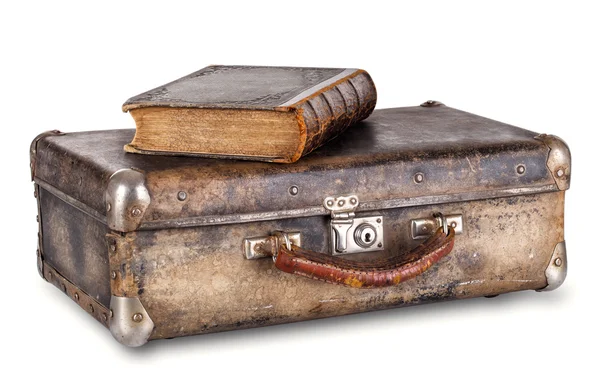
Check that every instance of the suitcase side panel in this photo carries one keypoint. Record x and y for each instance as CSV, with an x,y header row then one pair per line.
x,y
195,280
74,245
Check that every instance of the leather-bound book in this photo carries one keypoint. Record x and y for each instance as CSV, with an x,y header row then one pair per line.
x,y
274,114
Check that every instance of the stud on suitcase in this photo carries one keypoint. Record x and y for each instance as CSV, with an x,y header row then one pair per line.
x,y
413,205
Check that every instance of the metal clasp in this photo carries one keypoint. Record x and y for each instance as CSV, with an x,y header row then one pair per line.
x,y
350,235
425,227
266,246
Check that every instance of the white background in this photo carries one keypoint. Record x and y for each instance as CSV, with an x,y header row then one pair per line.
x,y
70,66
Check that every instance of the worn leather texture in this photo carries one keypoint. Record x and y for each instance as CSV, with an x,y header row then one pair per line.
x,y
381,273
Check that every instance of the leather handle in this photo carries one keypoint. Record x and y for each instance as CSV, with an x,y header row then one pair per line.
x,y
381,273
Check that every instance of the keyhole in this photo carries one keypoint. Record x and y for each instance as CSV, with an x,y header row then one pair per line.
x,y
365,235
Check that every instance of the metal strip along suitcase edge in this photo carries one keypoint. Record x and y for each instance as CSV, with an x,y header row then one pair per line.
x,y
159,247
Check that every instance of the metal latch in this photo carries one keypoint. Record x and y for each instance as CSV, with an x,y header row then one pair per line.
x,y
266,246
425,227
350,235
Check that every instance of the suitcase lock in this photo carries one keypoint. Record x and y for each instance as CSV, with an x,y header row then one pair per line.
x,y
351,235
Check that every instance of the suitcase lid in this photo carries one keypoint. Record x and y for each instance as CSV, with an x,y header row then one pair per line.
x,y
398,157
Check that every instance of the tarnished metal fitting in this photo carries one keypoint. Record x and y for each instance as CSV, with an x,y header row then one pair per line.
x,y
129,322
556,272
40,263
266,246
432,103
293,190
127,199
559,160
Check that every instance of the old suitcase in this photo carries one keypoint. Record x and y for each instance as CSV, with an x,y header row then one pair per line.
x,y
158,247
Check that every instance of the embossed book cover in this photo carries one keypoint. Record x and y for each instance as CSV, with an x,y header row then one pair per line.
x,y
274,114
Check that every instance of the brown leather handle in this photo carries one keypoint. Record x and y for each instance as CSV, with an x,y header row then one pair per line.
x,y
382,273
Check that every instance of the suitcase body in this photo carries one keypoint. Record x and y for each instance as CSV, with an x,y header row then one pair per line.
x,y
159,247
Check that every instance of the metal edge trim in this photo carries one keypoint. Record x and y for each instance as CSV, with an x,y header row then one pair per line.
x,y
304,212
40,236
320,210
70,200
84,300
308,92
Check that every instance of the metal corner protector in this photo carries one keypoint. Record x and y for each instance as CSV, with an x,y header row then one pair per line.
x,y
129,323
126,200
556,272
559,160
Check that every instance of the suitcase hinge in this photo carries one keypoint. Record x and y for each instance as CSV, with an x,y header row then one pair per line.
x,y
350,235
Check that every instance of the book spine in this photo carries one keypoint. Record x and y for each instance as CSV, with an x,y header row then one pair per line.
x,y
329,112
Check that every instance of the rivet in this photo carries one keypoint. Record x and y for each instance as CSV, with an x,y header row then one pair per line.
x,y
430,102
37,218
379,244
181,195
37,253
108,206
113,275
419,177
560,173
91,308
424,228
353,201
137,317
341,202
293,190
113,245
521,169
64,287
76,296
378,220
50,275
104,317
453,224
329,203
136,211
558,262
35,194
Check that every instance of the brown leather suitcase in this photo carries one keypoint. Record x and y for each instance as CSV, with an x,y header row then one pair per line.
x,y
411,206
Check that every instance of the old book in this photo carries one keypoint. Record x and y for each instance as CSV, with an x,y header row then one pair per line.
x,y
273,114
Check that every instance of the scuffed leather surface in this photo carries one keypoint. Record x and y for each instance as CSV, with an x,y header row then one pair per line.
x,y
234,87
